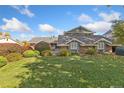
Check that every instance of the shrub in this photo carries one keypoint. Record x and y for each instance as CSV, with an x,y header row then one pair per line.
x,y
64,52
37,52
9,48
90,51
41,46
14,57
3,61
31,53
46,53
120,51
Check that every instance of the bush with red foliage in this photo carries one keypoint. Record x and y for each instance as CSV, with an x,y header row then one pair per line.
x,y
6,48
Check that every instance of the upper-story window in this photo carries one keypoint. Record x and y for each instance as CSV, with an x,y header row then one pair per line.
x,y
74,45
101,45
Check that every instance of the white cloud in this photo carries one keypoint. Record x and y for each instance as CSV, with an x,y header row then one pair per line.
x,y
110,16
84,18
26,36
46,28
99,26
14,25
24,10
50,30
104,24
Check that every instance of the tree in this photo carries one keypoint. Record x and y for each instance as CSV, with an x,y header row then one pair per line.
x,y
0,35
41,46
118,31
7,35
26,45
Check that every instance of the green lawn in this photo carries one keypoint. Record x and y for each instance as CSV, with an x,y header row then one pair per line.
x,y
89,71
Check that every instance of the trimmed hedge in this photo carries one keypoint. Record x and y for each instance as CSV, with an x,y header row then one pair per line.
x,y
120,51
31,53
3,61
14,57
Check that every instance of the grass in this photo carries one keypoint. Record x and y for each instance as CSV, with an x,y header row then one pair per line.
x,y
65,72
9,73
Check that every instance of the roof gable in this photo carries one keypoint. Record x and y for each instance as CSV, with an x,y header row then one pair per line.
x,y
79,29
103,39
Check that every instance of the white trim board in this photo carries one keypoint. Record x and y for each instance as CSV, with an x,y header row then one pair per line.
x,y
103,39
75,40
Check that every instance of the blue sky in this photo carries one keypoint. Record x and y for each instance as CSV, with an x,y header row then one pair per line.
x,y
25,22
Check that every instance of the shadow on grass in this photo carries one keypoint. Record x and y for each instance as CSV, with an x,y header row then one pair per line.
x,y
48,75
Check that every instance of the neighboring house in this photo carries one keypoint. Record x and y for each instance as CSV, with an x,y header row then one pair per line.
x,y
6,39
7,44
77,40
51,40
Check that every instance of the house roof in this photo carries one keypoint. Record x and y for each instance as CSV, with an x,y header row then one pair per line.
x,y
79,29
4,40
63,39
45,39
108,32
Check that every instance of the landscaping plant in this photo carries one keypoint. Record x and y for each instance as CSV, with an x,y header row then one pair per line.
x,y
14,57
64,52
30,53
46,53
5,49
90,51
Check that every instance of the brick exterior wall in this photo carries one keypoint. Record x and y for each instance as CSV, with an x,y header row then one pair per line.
x,y
83,49
63,47
108,48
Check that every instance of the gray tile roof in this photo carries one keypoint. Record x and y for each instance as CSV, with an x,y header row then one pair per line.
x,y
62,39
46,39
108,32
79,29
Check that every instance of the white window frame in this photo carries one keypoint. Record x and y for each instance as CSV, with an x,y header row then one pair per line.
x,y
101,45
73,45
